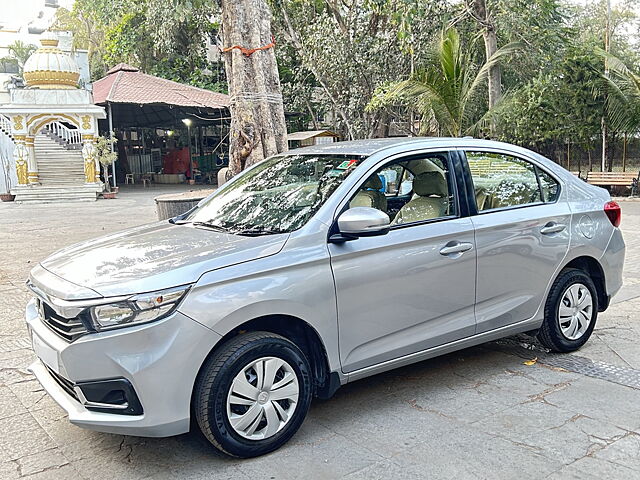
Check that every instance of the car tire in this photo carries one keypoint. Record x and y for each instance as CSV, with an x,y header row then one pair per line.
x,y
252,375
568,318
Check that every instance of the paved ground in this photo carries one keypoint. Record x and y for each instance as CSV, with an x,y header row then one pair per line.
x,y
478,413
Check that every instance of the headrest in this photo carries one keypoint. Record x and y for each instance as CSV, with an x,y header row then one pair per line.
x,y
374,183
427,184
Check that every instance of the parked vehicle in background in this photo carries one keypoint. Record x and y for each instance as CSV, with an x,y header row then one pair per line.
x,y
315,268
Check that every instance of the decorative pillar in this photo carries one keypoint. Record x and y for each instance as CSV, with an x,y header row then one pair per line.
x,y
32,163
21,156
90,160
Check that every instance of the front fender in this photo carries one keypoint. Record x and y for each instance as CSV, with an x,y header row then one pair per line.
x,y
296,283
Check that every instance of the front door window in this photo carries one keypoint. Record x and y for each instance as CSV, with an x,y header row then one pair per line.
x,y
410,191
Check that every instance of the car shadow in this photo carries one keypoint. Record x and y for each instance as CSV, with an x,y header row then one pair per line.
x,y
434,377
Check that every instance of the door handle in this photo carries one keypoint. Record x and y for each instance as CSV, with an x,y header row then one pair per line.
x,y
552,227
454,247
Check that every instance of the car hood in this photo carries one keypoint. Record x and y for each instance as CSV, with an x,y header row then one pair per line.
x,y
154,257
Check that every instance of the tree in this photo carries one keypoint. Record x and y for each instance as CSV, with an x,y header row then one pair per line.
x,y
21,52
342,51
623,99
106,156
443,90
481,14
258,128
88,20
167,42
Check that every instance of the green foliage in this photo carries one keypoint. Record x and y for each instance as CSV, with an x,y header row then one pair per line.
x,y
555,107
442,90
622,89
358,66
336,53
161,38
19,53
103,150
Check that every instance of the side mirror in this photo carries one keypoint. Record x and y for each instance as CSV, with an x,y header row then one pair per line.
x,y
361,222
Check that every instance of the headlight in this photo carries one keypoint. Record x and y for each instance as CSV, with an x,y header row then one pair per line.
x,y
138,309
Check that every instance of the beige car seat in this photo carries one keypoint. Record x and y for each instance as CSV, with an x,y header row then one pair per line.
x,y
483,199
432,199
370,195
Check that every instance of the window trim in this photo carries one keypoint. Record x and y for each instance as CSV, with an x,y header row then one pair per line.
x,y
471,187
422,222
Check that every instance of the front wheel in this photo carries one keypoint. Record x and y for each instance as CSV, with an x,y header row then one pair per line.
x,y
253,394
570,312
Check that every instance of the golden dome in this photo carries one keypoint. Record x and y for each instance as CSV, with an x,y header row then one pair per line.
x,y
51,68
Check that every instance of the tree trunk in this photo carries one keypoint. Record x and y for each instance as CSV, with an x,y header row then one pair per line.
x,y
611,151
490,38
494,75
624,153
258,128
105,174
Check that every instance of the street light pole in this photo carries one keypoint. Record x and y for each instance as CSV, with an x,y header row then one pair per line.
x,y
113,165
607,48
187,122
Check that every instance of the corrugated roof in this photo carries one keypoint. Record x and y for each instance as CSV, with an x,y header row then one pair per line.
x,y
127,84
310,134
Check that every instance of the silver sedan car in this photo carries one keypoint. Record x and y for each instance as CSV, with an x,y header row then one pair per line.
x,y
316,268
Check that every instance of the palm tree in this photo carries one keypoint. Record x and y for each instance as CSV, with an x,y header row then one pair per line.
x,y
21,52
443,90
623,100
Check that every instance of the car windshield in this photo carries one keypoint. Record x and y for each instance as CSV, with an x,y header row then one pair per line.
x,y
280,195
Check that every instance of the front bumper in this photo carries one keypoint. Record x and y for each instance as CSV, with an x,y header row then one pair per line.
x,y
160,360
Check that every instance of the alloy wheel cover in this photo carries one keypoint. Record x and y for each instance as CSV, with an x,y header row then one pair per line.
x,y
262,398
575,311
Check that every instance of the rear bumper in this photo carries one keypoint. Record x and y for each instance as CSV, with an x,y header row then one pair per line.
x,y
612,263
159,360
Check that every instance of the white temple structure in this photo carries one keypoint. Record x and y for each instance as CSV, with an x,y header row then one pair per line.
x,y
49,128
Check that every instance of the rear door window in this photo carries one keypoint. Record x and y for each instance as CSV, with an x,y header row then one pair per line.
x,y
550,187
503,181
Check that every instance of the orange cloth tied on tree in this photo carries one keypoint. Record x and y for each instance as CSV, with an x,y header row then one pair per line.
x,y
250,51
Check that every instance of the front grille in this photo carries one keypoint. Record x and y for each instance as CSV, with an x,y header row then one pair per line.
x,y
67,328
67,385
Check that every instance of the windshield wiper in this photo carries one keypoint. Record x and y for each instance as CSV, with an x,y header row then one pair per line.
x,y
255,231
212,226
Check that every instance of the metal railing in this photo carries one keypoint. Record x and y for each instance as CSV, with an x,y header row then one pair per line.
x,y
5,124
70,136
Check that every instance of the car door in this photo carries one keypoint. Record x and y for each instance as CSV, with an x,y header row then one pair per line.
x,y
521,233
413,288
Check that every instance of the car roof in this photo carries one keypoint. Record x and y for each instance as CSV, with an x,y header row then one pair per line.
x,y
371,146
367,148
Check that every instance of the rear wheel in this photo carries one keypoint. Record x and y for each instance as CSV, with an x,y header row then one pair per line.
x,y
253,394
570,312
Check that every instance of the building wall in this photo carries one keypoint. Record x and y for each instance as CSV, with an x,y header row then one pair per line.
x,y
6,158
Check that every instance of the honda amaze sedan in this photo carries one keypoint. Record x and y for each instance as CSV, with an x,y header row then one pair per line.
x,y
315,268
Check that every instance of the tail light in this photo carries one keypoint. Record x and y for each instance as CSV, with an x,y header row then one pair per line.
x,y
612,209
